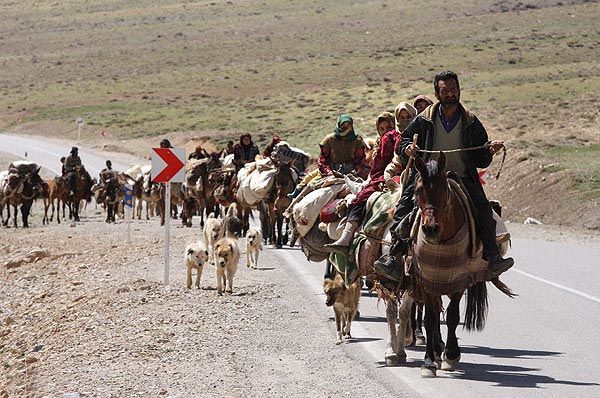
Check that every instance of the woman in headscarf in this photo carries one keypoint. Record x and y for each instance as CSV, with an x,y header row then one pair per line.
x,y
269,149
245,151
421,102
387,141
404,113
342,152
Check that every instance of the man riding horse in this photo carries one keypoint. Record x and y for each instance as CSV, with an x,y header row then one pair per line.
x,y
71,164
443,126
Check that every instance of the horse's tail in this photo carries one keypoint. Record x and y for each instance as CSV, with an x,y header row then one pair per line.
x,y
477,307
503,288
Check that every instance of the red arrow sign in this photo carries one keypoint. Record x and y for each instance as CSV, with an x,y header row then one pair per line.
x,y
173,164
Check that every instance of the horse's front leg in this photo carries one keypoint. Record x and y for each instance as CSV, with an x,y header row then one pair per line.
x,y
15,214
432,320
391,314
279,244
404,335
451,356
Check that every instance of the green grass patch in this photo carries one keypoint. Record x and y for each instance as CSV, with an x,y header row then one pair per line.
x,y
585,163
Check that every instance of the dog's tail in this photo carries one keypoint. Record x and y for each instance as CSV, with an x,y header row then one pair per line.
x,y
232,210
211,215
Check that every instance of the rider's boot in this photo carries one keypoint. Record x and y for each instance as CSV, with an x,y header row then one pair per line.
x,y
391,265
342,245
497,265
296,192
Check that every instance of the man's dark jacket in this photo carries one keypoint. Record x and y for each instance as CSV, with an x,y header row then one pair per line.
x,y
473,134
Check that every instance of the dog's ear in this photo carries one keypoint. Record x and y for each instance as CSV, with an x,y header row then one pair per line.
x,y
206,252
190,251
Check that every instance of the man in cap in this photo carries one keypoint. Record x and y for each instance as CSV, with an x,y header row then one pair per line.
x,y
72,162
199,153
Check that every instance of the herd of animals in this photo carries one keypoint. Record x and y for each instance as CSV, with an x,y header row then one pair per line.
x,y
314,218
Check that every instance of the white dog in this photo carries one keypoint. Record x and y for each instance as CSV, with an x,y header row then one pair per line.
x,y
227,256
213,231
253,247
195,257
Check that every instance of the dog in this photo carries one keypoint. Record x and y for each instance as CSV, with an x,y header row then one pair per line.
x,y
196,255
253,247
234,227
213,231
345,304
227,256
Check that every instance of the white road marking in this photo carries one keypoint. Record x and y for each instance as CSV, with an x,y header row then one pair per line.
x,y
558,286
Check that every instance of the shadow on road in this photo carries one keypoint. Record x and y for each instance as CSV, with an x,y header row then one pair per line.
x,y
509,376
506,352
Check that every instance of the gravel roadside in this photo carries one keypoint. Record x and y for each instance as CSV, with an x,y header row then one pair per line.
x,y
87,313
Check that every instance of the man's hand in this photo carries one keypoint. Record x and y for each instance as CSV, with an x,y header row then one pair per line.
x,y
412,150
495,146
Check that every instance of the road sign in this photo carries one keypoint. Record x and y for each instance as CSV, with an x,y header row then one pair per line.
x,y
167,164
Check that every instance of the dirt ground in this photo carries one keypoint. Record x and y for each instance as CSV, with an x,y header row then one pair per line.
x,y
82,310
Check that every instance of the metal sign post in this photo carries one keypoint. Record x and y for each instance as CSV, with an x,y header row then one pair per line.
x,y
80,123
168,164
167,231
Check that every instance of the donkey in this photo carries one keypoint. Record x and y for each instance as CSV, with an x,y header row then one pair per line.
x,y
275,204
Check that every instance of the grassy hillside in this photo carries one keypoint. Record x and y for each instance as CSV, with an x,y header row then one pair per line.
x,y
216,68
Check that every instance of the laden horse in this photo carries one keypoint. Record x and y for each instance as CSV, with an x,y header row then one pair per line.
x,y
275,204
74,201
199,188
22,187
447,262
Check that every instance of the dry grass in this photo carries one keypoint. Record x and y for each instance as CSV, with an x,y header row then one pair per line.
x,y
213,69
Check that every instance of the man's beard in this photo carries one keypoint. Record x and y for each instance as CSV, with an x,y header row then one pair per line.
x,y
448,102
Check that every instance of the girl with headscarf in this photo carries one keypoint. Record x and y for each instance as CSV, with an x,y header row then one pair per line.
x,y
389,137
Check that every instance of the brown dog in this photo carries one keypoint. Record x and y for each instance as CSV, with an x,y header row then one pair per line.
x,y
345,304
227,255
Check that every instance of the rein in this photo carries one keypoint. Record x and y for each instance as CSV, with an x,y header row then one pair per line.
x,y
484,146
383,241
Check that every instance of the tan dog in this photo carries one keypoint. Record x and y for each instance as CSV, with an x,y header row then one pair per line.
x,y
213,231
227,255
253,247
345,304
196,255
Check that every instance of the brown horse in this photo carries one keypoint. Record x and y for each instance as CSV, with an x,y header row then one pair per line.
x,y
79,194
443,218
275,204
57,191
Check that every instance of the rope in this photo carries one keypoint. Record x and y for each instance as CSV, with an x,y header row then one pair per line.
x,y
383,241
484,146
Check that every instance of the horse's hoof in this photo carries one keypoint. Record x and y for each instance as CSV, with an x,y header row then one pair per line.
x,y
449,365
428,371
437,361
338,342
391,360
278,247
401,358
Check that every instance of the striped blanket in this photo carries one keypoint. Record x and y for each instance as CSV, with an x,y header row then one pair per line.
x,y
448,267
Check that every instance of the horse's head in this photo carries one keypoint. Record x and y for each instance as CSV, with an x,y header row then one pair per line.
x,y
432,195
35,180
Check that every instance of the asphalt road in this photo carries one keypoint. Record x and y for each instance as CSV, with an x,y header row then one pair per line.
x,y
48,154
541,344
